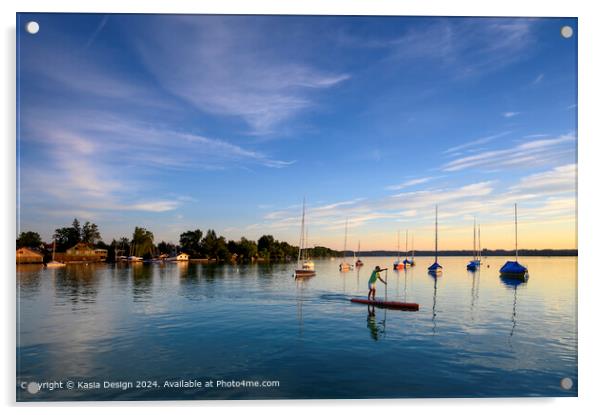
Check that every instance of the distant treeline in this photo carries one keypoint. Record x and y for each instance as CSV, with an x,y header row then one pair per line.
x,y
485,252
209,245
195,243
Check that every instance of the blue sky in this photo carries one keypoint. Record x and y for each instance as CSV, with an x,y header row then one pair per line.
x,y
177,122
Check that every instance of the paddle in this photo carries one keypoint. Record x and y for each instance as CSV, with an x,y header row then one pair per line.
x,y
386,275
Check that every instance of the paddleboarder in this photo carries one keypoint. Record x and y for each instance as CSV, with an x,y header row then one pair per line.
x,y
372,281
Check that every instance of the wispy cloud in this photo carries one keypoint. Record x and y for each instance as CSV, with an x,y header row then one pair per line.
x,y
231,70
538,79
477,142
532,152
558,180
470,47
410,183
510,114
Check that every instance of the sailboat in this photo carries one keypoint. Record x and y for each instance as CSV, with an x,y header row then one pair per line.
x,y
358,262
475,263
398,264
53,263
344,266
305,266
408,262
436,269
512,269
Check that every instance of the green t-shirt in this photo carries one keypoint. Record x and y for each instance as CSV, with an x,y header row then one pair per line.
x,y
374,277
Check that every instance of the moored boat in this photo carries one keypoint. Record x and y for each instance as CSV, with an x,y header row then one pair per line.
x,y
358,262
513,269
305,266
435,269
398,264
53,263
344,266
475,263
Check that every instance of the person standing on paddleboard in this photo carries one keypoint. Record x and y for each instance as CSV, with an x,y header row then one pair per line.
x,y
372,282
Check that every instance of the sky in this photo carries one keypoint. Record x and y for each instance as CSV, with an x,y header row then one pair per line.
x,y
179,122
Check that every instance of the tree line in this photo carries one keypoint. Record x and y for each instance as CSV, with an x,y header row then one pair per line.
x,y
196,243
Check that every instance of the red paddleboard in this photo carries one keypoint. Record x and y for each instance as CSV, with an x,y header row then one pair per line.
x,y
387,304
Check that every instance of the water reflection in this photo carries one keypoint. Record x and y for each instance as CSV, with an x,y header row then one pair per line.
x,y
142,281
77,283
474,290
301,284
377,329
434,317
217,319
513,284
28,279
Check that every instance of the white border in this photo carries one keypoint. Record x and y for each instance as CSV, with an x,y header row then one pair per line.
x,y
589,194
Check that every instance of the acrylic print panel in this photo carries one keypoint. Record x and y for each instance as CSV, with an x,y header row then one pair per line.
x,y
201,197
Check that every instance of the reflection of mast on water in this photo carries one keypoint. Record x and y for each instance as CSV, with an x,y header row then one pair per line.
x,y
405,286
513,284
474,291
435,305
514,313
300,284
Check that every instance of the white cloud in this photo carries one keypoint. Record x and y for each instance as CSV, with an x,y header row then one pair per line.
x,y
476,142
410,183
533,152
510,114
223,66
558,180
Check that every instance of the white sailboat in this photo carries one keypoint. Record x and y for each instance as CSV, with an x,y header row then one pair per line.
x,y
436,269
344,266
305,266
53,263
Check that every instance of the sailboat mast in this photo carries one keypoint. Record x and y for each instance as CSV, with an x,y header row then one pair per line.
x,y
412,247
345,242
301,238
398,252
480,242
406,244
515,233
436,233
474,239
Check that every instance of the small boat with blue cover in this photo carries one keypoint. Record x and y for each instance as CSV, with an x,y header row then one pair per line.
x,y
513,269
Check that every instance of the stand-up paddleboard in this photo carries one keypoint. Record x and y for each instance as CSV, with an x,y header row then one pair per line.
x,y
387,304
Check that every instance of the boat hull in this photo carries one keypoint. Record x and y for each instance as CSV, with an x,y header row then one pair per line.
x,y
304,273
387,304
512,269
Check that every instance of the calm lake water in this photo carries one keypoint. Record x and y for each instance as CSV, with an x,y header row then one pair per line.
x,y
475,335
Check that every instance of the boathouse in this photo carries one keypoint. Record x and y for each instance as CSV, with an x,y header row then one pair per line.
x,y
29,256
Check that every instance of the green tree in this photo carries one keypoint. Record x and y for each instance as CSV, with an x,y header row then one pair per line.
x,y
90,233
142,242
29,240
77,230
166,248
247,249
190,242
